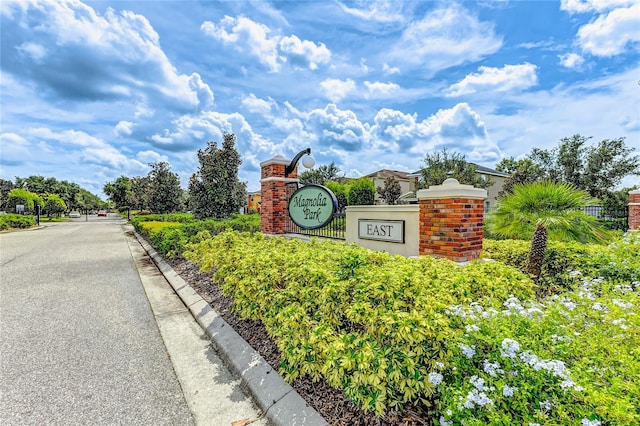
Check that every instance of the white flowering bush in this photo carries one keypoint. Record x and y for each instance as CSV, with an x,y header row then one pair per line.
x,y
572,359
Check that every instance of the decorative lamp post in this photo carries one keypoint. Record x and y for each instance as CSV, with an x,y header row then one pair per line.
x,y
308,161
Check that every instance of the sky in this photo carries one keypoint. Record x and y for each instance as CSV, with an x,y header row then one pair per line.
x,y
92,90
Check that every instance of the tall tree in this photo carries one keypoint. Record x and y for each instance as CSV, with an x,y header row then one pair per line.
x,y
53,204
391,191
320,175
596,169
165,193
140,191
441,165
5,187
215,190
119,191
543,210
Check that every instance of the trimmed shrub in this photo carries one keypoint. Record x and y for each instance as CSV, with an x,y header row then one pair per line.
x,y
362,192
11,220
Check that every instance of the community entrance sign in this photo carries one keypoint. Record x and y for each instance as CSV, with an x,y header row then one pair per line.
x,y
312,206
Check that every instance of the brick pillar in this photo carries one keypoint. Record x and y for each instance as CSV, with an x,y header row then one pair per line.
x,y
273,209
451,218
634,209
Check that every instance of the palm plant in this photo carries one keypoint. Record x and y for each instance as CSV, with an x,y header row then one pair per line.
x,y
542,210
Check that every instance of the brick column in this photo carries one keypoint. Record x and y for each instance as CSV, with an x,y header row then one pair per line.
x,y
273,209
634,210
451,218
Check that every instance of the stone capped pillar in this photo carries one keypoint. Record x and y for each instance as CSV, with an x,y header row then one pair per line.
x,y
451,218
634,209
273,209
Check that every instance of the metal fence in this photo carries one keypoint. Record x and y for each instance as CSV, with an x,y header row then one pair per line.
x,y
611,219
336,229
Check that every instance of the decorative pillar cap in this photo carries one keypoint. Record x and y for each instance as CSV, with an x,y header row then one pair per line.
x,y
278,159
637,191
451,188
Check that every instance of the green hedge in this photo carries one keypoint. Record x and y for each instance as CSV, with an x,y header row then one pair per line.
x,y
170,233
561,259
391,331
370,323
11,220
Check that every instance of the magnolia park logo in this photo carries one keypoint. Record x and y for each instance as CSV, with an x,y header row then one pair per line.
x,y
312,206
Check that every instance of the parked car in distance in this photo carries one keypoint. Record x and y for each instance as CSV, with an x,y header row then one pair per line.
x,y
74,214
102,213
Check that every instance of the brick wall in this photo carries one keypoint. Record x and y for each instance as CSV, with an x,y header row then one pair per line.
x,y
450,220
634,210
273,210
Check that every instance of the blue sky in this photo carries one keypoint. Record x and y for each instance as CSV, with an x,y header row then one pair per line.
x,y
97,89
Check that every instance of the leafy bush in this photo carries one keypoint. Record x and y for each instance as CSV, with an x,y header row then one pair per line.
x,y
362,192
370,323
169,233
562,258
11,220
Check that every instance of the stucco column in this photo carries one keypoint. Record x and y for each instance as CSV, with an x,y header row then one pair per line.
x,y
273,210
451,218
634,209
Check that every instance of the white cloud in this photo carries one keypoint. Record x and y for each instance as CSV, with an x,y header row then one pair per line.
x,y
306,52
81,54
337,128
445,37
390,70
507,78
611,33
336,90
149,156
378,11
571,60
246,35
258,106
581,6
124,128
378,90
271,50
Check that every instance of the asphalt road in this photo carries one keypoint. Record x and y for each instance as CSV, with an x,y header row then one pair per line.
x,y
78,341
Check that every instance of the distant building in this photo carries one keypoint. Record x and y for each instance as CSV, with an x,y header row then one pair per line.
x,y
497,178
254,200
407,184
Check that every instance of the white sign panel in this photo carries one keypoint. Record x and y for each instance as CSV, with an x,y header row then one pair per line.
x,y
381,230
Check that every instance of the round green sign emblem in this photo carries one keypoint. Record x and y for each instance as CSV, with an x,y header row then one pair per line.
x,y
312,206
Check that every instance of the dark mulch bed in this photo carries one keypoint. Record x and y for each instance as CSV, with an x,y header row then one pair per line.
x,y
331,403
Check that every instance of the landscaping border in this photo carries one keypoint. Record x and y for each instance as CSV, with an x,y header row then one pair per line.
x,y
282,405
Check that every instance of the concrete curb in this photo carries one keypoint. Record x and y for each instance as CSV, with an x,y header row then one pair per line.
x,y
282,405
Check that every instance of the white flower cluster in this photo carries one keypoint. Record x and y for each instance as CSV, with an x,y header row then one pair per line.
x,y
468,351
621,303
587,422
555,367
435,378
492,368
508,391
620,322
599,307
472,327
509,348
477,396
545,405
557,338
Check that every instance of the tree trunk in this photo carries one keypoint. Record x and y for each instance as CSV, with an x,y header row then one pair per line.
x,y
536,254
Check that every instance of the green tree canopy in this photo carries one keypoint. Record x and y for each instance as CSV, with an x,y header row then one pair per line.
x,y
21,196
441,165
119,191
140,192
391,191
320,175
53,205
215,190
362,192
165,194
596,169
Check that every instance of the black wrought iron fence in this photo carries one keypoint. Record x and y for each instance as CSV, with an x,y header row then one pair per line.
x,y
610,218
